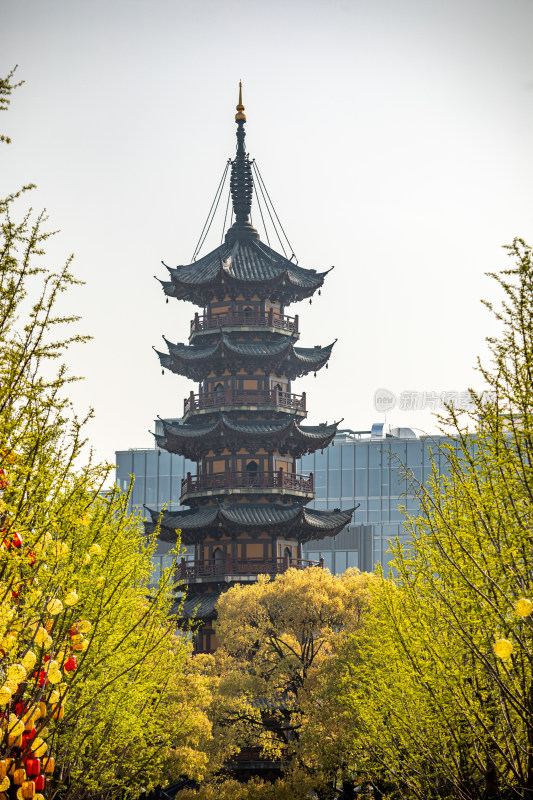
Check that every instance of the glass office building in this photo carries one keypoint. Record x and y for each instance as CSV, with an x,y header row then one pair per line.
x,y
359,468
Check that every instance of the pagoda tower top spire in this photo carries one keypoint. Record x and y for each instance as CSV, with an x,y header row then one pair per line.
x,y
241,183
240,115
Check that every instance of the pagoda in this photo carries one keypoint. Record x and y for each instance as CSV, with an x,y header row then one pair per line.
x,y
244,427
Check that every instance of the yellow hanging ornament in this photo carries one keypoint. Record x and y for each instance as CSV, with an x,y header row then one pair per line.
x,y
523,607
503,648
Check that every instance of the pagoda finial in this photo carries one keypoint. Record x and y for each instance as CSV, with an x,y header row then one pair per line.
x,y
240,108
241,183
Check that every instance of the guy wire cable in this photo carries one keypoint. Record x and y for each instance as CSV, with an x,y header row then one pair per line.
x,y
262,217
269,214
274,210
214,204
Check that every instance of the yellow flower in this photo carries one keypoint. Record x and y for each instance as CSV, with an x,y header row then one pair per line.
x,y
84,626
48,642
85,644
503,648
11,685
95,550
28,662
54,607
38,796
5,698
6,783
54,697
523,607
55,676
87,558
71,598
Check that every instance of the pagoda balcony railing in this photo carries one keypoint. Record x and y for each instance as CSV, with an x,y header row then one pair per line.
x,y
229,479
268,319
189,569
235,397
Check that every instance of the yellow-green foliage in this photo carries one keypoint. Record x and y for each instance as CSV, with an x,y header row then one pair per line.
x,y
429,704
274,637
135,705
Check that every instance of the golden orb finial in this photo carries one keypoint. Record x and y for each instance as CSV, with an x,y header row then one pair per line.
x,y
240,108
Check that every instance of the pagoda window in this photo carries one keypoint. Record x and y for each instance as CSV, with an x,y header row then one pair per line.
x,y
248,312
219,388
218,557
252,468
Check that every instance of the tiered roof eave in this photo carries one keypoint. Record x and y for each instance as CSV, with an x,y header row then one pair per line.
x,y
291,521
286,435
193,360
242,267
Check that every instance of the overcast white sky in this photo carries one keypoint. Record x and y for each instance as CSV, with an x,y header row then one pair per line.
x,y
395,137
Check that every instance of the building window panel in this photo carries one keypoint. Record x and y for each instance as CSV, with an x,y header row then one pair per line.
x,y
321,460
347,482
151,490
163,494
348,456
152,462
124,464
320,479
361,455
328,560
352,558
306,464
361,482
374,482
374,455
334,484
340,561
334,461
138,491
164,463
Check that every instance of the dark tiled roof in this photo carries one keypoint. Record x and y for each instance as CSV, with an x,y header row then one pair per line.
x,y
198,606
254,514
192,360
293,519
192,440
189,520
246,262
323,520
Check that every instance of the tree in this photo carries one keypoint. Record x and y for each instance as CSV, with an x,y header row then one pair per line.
x,y
90,667
439,687
274,635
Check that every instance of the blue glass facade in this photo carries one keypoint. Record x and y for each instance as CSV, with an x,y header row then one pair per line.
x,y
359,467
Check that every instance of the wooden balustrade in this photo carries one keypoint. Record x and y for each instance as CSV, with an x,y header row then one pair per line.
x,y
235,397
188,570
268,319
229,479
